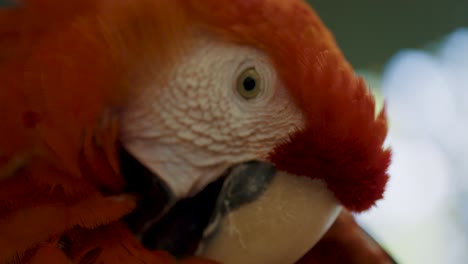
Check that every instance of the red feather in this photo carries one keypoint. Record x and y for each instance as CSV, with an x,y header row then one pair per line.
x,y
64,77
68,67
343,138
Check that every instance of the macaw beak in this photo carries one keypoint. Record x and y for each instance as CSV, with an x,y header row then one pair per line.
x,y
279,226
251,214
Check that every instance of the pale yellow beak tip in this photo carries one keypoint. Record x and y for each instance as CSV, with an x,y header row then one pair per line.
x,y
279,227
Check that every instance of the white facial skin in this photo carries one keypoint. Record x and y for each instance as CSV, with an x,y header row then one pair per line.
x,y
199,124
192,129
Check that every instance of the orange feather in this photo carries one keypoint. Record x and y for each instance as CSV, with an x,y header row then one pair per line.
x,y
67,68
65,74
343,139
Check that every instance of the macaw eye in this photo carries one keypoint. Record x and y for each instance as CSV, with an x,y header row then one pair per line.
x,y
249,84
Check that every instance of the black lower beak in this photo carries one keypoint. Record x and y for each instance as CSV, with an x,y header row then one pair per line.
x,y
153,195
163,222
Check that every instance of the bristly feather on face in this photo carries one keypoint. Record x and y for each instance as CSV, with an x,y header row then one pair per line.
x,y
70,69
343,139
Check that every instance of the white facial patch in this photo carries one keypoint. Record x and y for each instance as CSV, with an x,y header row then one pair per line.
x,y
197,125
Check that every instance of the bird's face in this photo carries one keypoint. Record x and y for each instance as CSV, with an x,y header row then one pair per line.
x,y
241,127
223,105
252,134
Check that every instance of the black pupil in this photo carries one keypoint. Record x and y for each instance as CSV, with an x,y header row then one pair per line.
x,y
249,83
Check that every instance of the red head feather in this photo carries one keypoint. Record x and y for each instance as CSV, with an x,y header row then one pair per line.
x,y
343,138
66,67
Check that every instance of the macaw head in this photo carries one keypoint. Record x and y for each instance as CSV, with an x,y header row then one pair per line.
x,y
225,109
257,80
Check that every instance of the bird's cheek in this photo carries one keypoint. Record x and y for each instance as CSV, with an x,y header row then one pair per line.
x,y
279,226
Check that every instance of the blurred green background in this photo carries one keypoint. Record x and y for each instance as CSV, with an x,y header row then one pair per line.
x,y
371,31
414,54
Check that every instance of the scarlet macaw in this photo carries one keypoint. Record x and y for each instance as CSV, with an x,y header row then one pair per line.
x,y
117,116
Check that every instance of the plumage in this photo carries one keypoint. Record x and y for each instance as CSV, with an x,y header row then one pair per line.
x,y
69,68
342,141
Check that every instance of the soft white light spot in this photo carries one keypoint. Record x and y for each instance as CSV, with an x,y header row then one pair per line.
x,y
423,217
